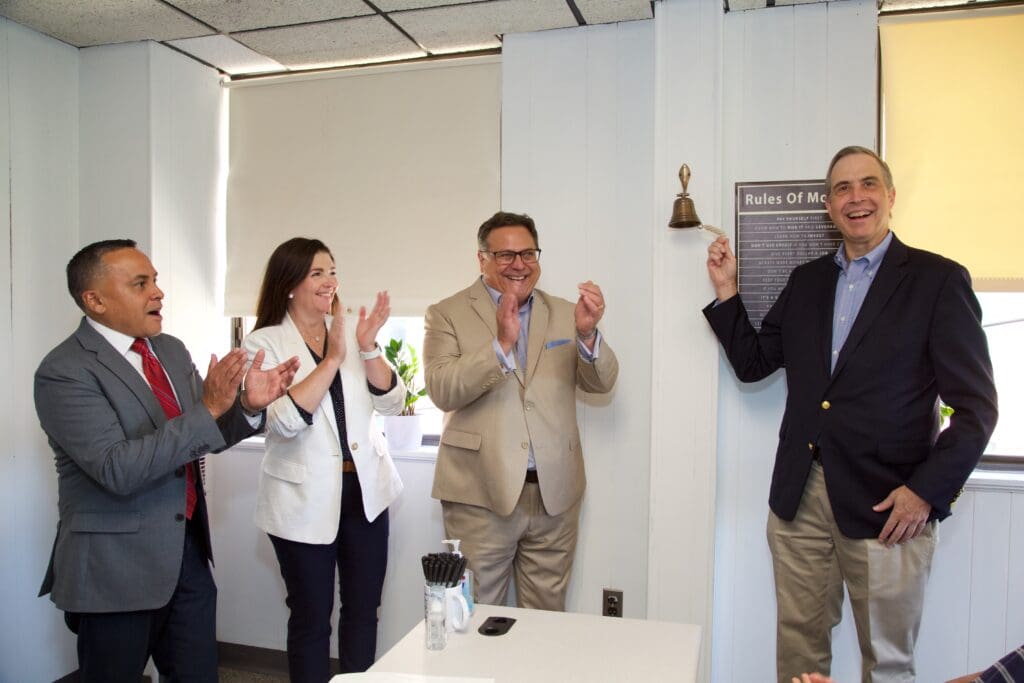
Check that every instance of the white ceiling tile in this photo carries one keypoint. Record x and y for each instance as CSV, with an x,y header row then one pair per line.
x,y
227,55
395,5
334,43
739,5
245,15
98,22
476,26
611,11
893,5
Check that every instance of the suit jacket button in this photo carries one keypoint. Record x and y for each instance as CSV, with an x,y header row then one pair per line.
x,y
178,517
529,406
354,446
810,446
825,405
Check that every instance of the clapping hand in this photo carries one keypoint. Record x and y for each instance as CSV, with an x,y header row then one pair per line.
x,y
589,311
369,324
263,387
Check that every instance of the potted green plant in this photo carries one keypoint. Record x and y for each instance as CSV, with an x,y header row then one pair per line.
x,y
404,432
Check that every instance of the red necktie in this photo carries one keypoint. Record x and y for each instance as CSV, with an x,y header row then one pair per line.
x,y
161,387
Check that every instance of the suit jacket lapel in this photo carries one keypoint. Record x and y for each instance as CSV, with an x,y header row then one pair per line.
x,y
888,278
180,377
480,301
108,356
538,330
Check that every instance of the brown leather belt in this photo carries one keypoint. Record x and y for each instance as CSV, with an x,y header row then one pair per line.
x,y
348,466
531,476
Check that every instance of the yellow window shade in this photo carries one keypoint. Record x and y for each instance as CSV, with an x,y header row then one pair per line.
x,y
953,94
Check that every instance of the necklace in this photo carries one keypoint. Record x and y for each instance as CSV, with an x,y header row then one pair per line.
x,y
314,337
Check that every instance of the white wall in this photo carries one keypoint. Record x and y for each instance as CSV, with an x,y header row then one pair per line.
x,y
38,232
577,134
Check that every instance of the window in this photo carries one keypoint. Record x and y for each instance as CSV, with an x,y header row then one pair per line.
x,y
956,154
1003,319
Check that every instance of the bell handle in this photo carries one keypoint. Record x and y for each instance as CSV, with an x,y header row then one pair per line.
x,y
684,176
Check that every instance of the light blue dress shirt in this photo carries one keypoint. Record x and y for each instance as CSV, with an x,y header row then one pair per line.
x,y
855,278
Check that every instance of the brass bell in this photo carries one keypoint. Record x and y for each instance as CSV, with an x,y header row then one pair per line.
x,y
684,214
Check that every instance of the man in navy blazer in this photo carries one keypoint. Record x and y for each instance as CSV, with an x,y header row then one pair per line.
x,y
130,563
871,338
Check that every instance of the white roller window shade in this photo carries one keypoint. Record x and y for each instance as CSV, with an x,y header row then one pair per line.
x,y
394,168
953,92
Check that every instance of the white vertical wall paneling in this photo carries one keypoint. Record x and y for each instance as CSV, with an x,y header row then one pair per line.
x,y
989,574
616,250
39,119
684,397
1015,587
185,102
115,172
576,146
945,622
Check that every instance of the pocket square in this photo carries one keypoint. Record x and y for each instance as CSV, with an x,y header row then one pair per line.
x,y
556,342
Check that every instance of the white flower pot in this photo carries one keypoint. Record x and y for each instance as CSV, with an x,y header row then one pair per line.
x,y
404,432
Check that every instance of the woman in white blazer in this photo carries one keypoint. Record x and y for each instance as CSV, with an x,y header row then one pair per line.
x,y
327,478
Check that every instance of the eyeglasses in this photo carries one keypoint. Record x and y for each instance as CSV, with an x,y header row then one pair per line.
x,y
506,258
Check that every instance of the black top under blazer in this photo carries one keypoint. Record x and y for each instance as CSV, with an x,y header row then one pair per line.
x,y
875,420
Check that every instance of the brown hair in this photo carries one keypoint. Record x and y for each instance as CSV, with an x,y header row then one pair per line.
x,y
287,267
857,149
504,219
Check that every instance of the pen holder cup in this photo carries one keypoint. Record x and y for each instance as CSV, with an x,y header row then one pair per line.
x,y
434,613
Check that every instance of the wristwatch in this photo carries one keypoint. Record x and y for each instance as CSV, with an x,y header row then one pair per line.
x,y
372,353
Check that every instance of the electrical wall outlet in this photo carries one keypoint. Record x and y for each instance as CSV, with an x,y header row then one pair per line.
x,y
611,605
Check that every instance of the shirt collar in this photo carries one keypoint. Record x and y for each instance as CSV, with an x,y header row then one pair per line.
x,y
873,257
496,296
121,342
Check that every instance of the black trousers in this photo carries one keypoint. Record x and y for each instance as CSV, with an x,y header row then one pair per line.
x,y
113,647
359,554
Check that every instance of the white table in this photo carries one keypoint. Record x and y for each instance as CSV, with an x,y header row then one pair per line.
x,y
556,647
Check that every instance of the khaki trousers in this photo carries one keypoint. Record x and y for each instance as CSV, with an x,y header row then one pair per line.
x,y
812,559
537,547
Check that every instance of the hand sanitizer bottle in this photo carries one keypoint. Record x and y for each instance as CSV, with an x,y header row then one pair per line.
x,y
467,577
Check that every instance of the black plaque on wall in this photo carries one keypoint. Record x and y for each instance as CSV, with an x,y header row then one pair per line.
x,y
779,225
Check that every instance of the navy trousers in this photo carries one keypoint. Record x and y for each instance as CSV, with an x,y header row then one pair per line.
x,y
359,554
113,647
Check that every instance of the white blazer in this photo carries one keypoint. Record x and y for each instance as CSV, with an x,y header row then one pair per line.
x,y
300,481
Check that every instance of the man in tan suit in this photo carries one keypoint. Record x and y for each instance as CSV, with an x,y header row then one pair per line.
x,y
503,361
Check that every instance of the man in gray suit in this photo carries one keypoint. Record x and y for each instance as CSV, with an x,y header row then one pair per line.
x,y
127,414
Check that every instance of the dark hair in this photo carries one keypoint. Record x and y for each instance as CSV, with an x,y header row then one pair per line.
x,y
85,266
857,149
504,219
287,267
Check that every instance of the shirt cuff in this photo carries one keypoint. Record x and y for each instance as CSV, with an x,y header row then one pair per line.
x,y
380,392
586,354
507,362
306,416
